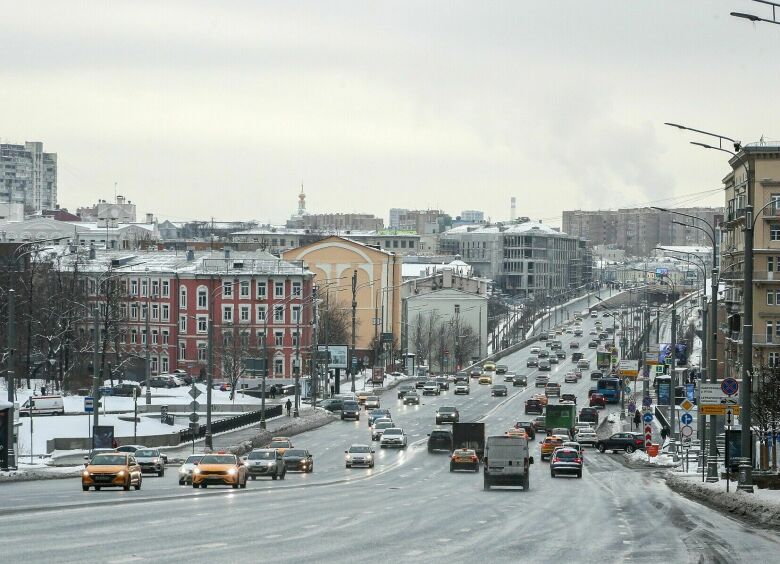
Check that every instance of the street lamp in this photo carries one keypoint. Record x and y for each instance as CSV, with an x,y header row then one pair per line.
x,y
754,18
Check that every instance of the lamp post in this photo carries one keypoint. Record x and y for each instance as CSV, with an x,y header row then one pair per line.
x,y
754,19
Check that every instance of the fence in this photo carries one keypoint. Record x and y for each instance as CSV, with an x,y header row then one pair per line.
x,y
231,423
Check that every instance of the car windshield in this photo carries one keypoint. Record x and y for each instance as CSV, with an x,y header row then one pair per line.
x,y
392,431
440,435
218,459
262,455
108,460
383,425
567,454
192,459
447,410
295,452
372,398
280,444
359,449
350,405
406,387
146,452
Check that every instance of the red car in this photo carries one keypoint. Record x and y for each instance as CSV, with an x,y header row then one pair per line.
x,y
597,400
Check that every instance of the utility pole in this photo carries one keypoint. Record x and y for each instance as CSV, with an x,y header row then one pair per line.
x,y
209,382
298,361
354,313
10,377
265,367
147,359
314,348
745,417
96,370
673,392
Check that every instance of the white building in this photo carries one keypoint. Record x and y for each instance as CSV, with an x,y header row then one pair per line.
x,y
28,176
472,216
105,236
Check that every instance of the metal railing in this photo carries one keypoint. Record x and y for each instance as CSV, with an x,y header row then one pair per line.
x,y
230,423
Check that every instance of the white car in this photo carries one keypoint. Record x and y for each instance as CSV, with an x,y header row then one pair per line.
x,y
185,470
586,437
462,388
359,455
570,378
379,428
432,388
372,402
393,437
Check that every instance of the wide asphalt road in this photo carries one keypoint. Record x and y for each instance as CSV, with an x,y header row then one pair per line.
x,y
409,508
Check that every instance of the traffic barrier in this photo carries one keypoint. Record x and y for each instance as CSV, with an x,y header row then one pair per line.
x,y
652,450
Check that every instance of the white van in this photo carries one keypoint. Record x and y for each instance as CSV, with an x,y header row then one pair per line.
x,y
42,405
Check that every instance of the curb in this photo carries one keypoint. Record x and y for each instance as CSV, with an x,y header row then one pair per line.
x,y
35,475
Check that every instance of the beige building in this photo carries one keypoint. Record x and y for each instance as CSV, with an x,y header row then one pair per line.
x,y
759,189
333,261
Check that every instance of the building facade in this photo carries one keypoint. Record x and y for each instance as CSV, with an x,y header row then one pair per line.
x,y
28,176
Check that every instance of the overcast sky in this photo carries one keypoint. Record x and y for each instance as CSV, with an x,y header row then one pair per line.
x,y
221,109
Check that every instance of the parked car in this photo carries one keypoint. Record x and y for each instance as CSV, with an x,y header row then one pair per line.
x,y
628,442
42,405
127,389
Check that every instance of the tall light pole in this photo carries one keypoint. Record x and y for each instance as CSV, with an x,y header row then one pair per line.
x,y
754,19
353,360
10,377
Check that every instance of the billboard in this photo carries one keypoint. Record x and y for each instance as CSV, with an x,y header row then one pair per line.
x,y
338,355
664,353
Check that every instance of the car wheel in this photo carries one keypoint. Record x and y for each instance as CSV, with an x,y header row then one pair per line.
x,y
138,485
630,449
283,475
243,485
161,473
485,485
382,446
235,486
181,482
126,487
452,468
97,488
204,485
85,488
274,477
579,474
195,486
601,448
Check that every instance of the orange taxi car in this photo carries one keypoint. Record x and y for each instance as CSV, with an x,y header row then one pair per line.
x,y
111,470
519,433
543,399
464,458
550,444
281,444
221,469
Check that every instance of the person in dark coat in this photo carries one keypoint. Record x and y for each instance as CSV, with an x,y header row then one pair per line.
x,y
637,419
288,405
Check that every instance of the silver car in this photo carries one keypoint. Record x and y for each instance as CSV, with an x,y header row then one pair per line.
x,y
151,460
185,470
265,462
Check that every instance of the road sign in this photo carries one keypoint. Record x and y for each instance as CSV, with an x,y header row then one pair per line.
x,y
729,386
628,367
712,394
194,406
194,417
686,441
718,409
686,418
627,390
89,404
647,417
686,405
686,430
647,401
194,392
631,407
659,369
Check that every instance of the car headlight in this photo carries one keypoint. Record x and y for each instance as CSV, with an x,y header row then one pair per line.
x,y
156,460
120,473
369,457
196,471
232,472
85,474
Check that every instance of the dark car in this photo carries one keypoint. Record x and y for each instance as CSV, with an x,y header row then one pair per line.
x,y
447,414
162,382
350,410
412,398
593,344
569,397
589,415
574,345
561,354
539,423
499,390
126,389
532,362
440,439
577,356
298,460
501,368
420,383
332,404
378,413
520,380
528,427
404,389
534,406
597,400
596,375
444,384
566,461
475,373
628,442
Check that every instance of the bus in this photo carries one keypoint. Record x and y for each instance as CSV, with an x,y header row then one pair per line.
x,y
603,358
610,389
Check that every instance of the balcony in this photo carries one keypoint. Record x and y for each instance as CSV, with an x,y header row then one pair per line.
x,y
732,275
766,341
735,215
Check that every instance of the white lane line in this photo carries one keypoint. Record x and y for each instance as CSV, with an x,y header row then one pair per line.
x,y
211,545
132,558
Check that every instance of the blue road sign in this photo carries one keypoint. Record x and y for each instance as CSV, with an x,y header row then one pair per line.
x,y
631,407
89,405
647,417
686,418
729,386
647,401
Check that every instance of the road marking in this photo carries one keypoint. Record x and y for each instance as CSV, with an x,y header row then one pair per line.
x,y
211,545
132,558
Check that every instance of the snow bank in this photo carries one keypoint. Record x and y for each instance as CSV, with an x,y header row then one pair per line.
x,y
39,471
639,458
762,506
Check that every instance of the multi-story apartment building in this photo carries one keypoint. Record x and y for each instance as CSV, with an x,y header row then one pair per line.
x,y
258,306
337,222
639,230
472,216
523,258
28,176
759,188
395,217
277,240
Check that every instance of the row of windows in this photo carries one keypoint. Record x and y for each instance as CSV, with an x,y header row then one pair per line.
x,y
160,312
244,316
227,341
244,292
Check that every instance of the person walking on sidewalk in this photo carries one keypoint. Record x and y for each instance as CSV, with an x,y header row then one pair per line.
x,y
288,406
637,419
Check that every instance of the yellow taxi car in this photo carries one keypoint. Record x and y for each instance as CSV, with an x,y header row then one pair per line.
x,y
219,469
543,399
111,470
464,458
485,379
362,396
550,444
281,444
489,367
519,433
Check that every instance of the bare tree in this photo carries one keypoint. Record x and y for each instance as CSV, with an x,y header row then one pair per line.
x,y
334,322
236,345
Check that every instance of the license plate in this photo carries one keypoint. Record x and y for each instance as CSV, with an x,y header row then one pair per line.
x,y
103,478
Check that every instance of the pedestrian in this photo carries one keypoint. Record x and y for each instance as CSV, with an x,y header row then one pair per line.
x,y
637,419
664,433
288,405
273,392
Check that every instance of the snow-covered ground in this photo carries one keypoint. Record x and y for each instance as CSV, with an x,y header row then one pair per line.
x,y
641,458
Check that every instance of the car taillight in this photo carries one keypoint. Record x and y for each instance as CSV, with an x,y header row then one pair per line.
x,y
578,460
474,459
556,459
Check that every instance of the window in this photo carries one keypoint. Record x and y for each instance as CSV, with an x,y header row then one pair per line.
x,y
227,289
165,336
244,289
245,340
202,324
457,309
774,232
155,288
261,313
770,264
183,297
227,339
144,309
133,336
166,312
144,287
411,244
278,367
183,323
296,314
133,287
773,359
295,339
143,336
768,331
155,335
153,364
155,312
203,298
296,289
165,289
201,352
774,209
278,314
279,289
227,313
244,316
182,350
278,338
261,289
133,311
260,339
165,364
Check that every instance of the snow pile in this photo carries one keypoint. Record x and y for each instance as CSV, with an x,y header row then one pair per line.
x,y
39,471
641,458
610,425
762,506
